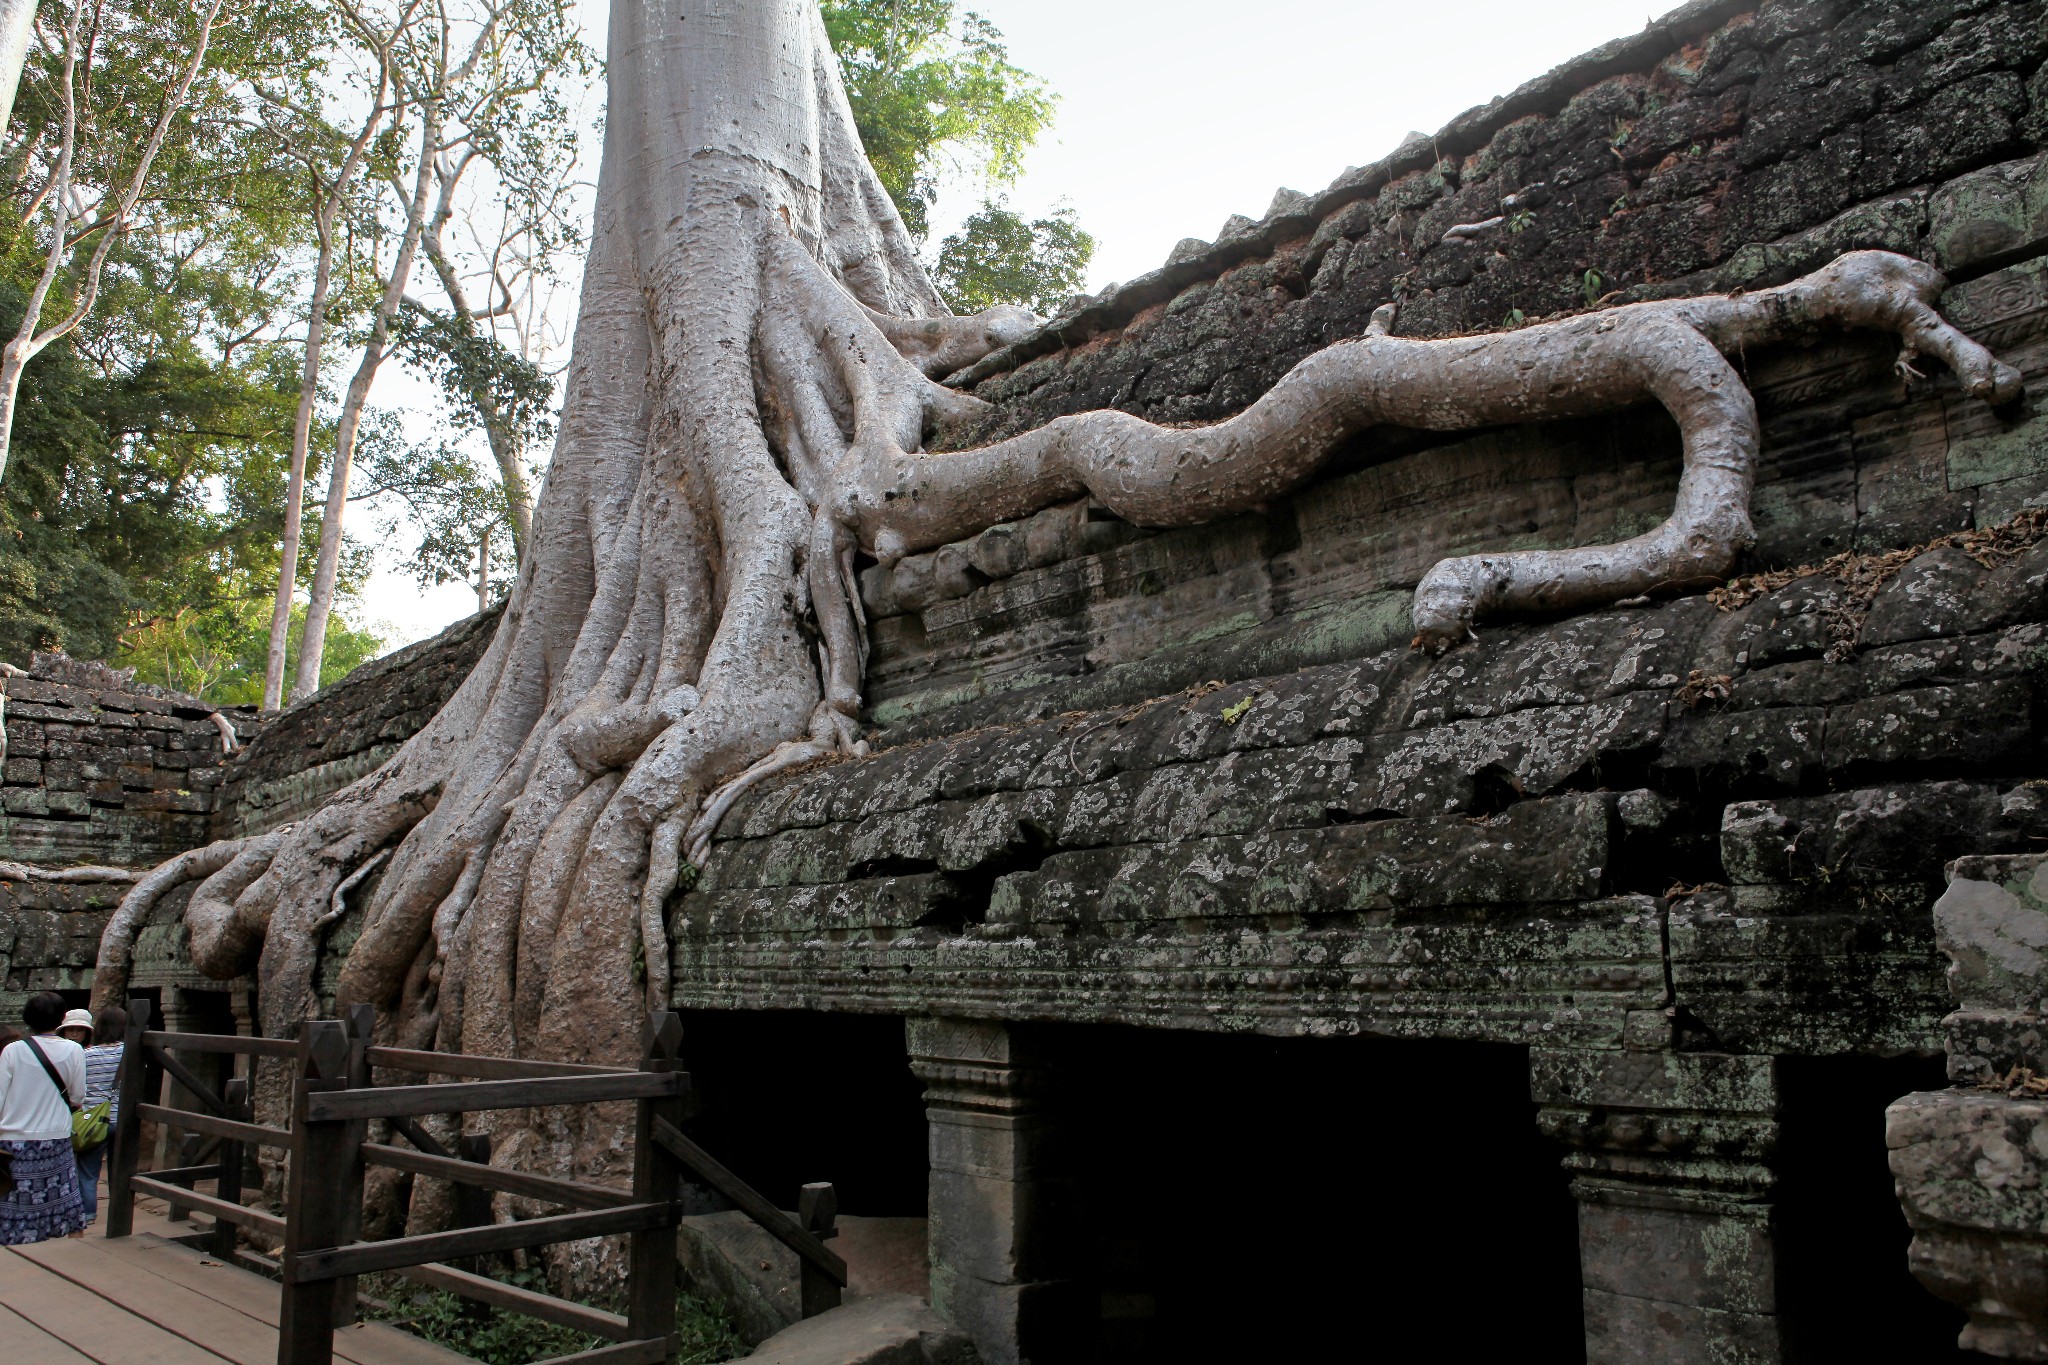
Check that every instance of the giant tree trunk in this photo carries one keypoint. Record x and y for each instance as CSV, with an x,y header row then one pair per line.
x,y
745,412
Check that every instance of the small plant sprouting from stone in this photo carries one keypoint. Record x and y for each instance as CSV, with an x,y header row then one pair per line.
x,y
1521,220
1514,318
1235,712
1593,286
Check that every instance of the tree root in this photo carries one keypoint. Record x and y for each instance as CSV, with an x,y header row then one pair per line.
x,y
117,940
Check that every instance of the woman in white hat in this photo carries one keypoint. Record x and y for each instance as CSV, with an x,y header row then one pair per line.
x,y
101,1039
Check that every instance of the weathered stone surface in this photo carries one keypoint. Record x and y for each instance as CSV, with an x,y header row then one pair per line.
x,y
886,1329
729,1259
1970,1172
1992,923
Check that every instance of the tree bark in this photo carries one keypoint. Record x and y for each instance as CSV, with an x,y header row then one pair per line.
x,y
745,412
17,25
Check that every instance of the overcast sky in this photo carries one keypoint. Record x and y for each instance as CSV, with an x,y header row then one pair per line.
x,y
1175,114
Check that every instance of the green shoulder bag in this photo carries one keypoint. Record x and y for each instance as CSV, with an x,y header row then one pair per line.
x,y
90,1126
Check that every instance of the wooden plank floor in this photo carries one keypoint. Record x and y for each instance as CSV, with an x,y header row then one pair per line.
x,y
145,1300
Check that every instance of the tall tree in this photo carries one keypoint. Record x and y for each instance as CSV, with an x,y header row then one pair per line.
x,y
935,98
334,166
745,416
147,442
81,212
481,82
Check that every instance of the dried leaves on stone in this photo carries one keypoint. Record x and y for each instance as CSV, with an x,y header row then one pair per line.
x,y
1865,575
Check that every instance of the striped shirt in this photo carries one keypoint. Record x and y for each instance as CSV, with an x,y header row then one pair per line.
x,y
102,1069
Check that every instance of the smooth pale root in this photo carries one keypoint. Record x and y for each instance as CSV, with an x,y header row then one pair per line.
x,y
745,411
1672,353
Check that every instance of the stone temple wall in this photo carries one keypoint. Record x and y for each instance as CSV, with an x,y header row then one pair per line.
x,y
315,747
99,770
1707,153
1197,780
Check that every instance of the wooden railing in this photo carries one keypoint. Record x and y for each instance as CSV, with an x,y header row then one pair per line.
x,y
334,1101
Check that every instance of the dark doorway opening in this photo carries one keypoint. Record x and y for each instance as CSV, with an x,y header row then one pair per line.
x,y
784,1097
1248,1198
1844,1291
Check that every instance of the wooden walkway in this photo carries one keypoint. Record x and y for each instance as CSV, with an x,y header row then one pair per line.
x,y
145,1300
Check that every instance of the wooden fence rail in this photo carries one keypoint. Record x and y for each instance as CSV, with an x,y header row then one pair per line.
x,y
334,1101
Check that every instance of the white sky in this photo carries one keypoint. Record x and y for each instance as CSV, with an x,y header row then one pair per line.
x,y
1175,114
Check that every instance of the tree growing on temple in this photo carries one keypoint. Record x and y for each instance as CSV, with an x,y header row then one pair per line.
x,y
750,412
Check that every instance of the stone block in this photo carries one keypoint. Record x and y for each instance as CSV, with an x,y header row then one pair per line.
x,y
1621,1330
1992,923
1000,1230
1713,1255
1969,724
1654,1081
1970,1172
1778,746
1555,849
1989,216
1868,835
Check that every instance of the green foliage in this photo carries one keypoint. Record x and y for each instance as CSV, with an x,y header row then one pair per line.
x,y
219,654
497,1337
998,257
933,90
449,502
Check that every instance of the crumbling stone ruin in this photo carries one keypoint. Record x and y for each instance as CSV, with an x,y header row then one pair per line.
x,y
1221,977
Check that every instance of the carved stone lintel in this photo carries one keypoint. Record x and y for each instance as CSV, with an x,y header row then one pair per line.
x,y
1670,1160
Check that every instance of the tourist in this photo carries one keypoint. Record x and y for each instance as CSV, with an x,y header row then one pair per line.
x,y
101,1038
42,1080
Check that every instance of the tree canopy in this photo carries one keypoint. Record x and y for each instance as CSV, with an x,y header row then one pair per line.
x,y
935,99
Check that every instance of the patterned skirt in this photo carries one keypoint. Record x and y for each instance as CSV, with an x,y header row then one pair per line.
x,y
45,1202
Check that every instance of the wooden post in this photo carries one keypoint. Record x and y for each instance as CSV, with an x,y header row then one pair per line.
x,y
361,1023
817,1208
473,1210
473,1202
228,1185
657,1178
127,1137
326,1180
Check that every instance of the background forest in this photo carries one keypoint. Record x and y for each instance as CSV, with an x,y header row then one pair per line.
x,y
225,223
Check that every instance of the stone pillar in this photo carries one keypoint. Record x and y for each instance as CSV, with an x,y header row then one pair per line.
x,y
1000,1252
1669,1158
1971,1162
180,1015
